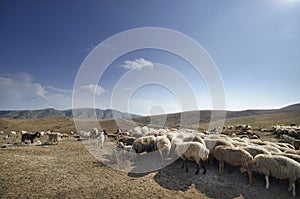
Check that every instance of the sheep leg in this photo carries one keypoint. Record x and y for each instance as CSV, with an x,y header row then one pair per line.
x,y
250,176
267,182
290,186
204,167
221,167
294,189
198,169
182,163
186,167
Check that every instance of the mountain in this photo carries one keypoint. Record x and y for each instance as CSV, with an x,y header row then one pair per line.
x,y
174,119
77,113
205,115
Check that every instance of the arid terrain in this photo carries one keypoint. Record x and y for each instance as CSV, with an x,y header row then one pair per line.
x,y
68,170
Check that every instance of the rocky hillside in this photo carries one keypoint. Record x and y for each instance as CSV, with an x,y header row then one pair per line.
x,y
78,113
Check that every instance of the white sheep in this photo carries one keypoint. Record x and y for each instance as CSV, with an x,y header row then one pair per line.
x,y
286,145
101,139
193,151
94,133
277,166
271,149
256,150
84,134
234,157
174,143
144,130
193,138
212,143
129,150
171,136
12,136
163,145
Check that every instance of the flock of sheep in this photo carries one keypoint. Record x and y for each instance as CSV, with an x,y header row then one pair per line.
x,y
279,160
290,134
48,137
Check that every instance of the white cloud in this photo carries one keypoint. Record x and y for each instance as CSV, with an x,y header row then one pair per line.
x,y
93,88
137,64
22,92
59,90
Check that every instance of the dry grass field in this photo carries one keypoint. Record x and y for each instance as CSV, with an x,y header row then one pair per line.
x,y
68,170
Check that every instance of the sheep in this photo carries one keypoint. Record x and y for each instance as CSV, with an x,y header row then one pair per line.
x,y
43,136
230,127
239,144
127,140
101,138
137,129
129,150
289,155
171,136
84,134
277,166
286,145
163,145
144,130
120,132
174,143
240,140
212,143
255,150
53,137
234,157
30,136
193,151
193,138
292,133
64,135
94,133
271,149
297,152
12,136
145,144
257,142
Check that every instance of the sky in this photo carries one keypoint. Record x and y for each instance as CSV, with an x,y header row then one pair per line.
x,y
254,44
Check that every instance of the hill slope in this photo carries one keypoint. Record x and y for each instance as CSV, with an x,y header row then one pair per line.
x,y
174,119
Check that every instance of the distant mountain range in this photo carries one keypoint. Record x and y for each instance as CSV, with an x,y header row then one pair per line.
x,y
77,113
205,115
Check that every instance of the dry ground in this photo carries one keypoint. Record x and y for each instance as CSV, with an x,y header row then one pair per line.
x,y
67,170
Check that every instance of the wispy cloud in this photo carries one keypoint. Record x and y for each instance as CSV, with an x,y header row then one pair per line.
x,y
59,89
21,91
137,64
93,88
20,86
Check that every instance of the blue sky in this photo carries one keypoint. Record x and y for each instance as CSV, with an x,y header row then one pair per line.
x,y
255,45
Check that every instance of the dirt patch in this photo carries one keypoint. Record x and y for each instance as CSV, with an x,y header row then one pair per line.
x,y
67,170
